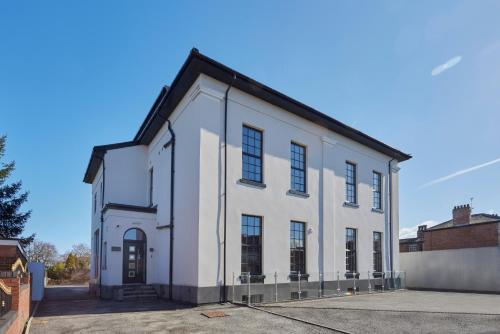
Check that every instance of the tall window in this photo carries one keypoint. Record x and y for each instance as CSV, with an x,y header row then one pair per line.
x,y
297,248
96,253
252,154
298,164
151,187
377,252
350,249
251,245
95,202
377,190
350,183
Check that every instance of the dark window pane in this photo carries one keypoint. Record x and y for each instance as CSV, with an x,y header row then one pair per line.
x,y
377,251
377,190
298,167
351,250
297,248
134,234
251,245
350,180
252,154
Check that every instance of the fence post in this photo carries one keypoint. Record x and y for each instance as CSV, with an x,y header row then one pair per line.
x,y
276,286
299,285
383,281
248,283
320,279
369,283
232,297
338,282
354,283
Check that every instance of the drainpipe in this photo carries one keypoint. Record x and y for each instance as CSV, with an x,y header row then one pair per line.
x,y
102,225
171,142
390,216
224,292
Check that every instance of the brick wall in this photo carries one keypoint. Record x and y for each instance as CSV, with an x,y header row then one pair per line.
x,y
21,302
465,236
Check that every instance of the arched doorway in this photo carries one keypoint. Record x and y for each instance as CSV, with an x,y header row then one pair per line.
x,y
134,256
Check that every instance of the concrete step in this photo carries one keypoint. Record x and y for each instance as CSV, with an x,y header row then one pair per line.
x,y
137,292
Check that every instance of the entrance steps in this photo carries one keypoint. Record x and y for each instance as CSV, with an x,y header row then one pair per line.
x,y
139,292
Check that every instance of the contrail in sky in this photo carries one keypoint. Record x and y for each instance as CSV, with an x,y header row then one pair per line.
x,y
460,172
446,66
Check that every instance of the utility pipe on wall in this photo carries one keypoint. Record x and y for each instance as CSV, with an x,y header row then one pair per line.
x,y
171,142
224,292
390,218
102,225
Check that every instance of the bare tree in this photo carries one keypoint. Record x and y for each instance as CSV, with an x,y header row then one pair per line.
x,y
82,253
80,250
44,252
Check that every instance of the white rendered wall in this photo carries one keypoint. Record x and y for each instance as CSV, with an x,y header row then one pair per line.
x,y
96,221
127,182
126,179
468,269
327,153
198,256
116,223
37,270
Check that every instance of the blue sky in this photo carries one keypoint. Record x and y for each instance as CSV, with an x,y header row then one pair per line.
x,y
75,74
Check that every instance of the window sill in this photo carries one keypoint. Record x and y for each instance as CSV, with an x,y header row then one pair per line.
x,y
253,278
351,275
297,193
351,205
295,277
252,183
377,210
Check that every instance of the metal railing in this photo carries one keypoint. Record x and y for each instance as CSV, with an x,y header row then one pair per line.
x,y
276,287
5,299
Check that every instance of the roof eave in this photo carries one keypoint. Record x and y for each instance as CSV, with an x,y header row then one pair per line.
x,y
198,63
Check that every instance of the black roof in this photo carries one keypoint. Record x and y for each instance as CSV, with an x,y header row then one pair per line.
x,y
197,64
477,218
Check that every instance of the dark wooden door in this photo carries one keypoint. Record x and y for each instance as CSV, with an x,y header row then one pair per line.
x,y
134,262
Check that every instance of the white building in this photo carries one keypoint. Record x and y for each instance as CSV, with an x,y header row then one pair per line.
x,y
219,192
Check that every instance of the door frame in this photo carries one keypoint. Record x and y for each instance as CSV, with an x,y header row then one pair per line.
x,y
137,243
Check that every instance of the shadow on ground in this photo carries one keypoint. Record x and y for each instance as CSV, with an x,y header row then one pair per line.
x,y
75,300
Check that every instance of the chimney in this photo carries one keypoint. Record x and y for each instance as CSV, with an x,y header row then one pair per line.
x,y
461,214
421,230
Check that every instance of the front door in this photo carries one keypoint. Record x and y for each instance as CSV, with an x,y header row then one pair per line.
x,y
134,261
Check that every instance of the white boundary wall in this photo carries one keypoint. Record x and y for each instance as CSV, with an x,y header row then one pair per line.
x,y
37,271
468,269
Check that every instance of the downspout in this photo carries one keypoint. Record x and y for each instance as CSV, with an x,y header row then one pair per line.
x,y
224,292
390,217
102,225
171,142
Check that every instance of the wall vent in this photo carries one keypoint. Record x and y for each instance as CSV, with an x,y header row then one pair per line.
x,y
253,299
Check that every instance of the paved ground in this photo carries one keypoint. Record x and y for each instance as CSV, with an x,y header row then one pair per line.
x,y
67,292
401,312
398,312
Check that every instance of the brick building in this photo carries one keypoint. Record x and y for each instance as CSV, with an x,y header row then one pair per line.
x,y
464,230
15,287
